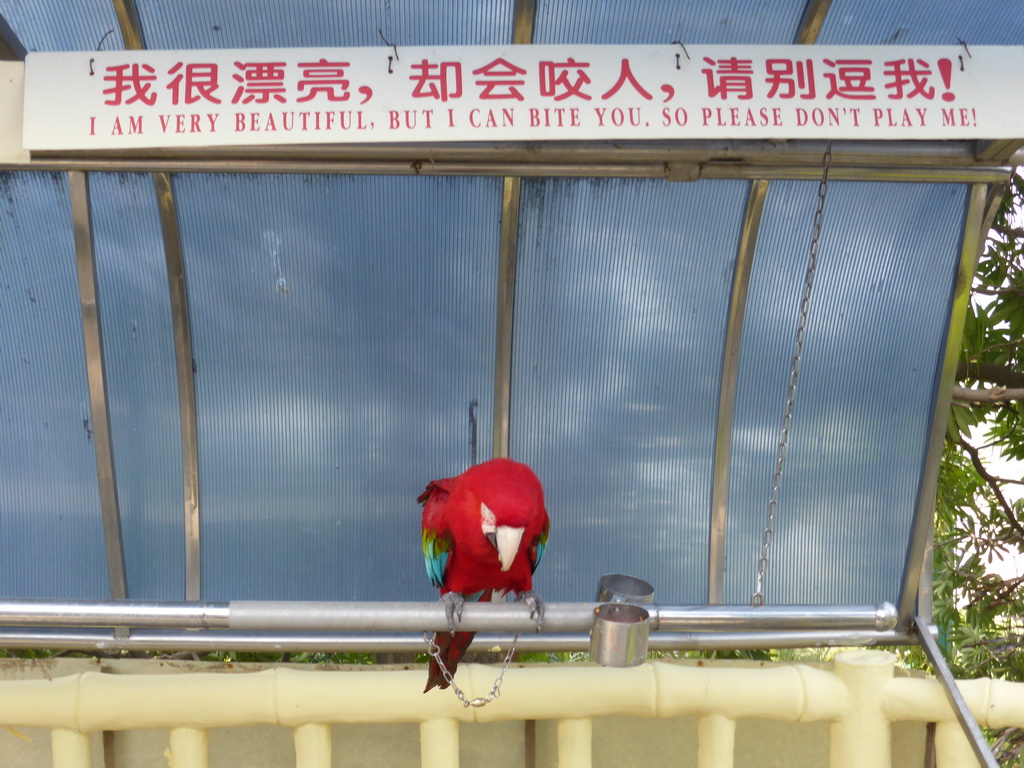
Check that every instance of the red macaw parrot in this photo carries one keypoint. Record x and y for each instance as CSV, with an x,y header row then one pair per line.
x,y
484,533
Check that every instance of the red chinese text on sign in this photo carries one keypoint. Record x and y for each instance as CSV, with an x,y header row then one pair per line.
x,y
500,80
563,79
909,79
789,79
134,81
192,82
441,81
260,82
731,75
325,78
626,76
850,80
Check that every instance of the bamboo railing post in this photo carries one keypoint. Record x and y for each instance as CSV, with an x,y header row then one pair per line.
x,y
862,736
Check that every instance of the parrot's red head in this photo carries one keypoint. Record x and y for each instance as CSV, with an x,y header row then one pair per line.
x,y
506,500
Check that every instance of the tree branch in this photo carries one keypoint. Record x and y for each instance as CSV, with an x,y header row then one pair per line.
x,y
1002,375
999,291
993,484
993,395
1007,231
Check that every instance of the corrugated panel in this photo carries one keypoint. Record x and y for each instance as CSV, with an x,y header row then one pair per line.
x,y
652,22
138,344
341,326
921,22
621,300
875,336
51,535
286,24
68,25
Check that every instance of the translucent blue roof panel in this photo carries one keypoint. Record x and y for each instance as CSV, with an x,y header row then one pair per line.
x,y
653,22
138,345
51,534
622,294
876,329
920,22
180,24
342,329
69,25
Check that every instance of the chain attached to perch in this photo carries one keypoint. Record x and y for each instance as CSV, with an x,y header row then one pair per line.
x,y
787,415
495,692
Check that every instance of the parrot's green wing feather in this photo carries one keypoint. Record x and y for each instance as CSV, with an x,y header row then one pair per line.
x,y
437,548
539,545
438,543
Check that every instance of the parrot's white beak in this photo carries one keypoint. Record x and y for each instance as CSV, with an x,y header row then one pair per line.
x,y
504,538
508,544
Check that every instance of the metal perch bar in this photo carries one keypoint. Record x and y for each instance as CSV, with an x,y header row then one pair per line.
x,y
208,641
421,617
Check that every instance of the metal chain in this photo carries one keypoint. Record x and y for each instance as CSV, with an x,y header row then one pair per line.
x,y
787,415
435,654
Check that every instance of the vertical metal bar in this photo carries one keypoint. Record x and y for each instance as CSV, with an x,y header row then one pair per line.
x,y
975,227
814,17
78,183
522,21
506,302
522,34
128,21
925,591
727,392
807,34
953,695
131,34
998,151
186,381
11,48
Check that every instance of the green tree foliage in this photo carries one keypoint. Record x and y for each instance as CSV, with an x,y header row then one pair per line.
x,y
980,614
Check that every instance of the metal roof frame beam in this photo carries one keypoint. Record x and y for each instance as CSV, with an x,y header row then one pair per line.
x,y
522,34
979,745
78,184
11,48
889,172
131,35
927,153
814,18
505,315
679,161
184,365
981,208
727,392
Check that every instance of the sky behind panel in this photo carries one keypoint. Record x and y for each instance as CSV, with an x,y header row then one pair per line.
x,y
621,300
342,328
877,325
51,532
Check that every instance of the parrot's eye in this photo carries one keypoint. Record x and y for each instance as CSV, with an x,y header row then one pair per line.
x,y
488,524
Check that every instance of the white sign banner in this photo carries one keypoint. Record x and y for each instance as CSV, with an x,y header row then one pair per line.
x,y
201,98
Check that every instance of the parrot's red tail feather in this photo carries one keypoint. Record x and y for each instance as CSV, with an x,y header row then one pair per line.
x,y
451,649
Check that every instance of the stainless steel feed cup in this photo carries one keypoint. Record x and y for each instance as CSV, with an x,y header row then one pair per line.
x,y
619,636
619,588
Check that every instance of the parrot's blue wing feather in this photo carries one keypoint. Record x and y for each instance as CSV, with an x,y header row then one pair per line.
x,y
437,538
436,551
538,547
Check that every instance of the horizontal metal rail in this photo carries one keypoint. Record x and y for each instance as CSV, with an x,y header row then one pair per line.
x,y
802,152
668,169
420,617
208,641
